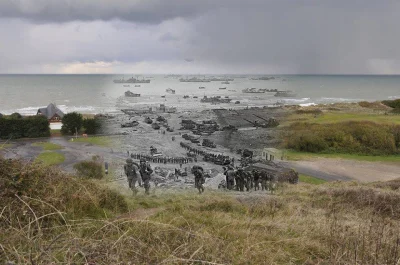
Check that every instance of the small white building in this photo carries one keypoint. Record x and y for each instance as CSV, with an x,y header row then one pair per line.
x,y
272,154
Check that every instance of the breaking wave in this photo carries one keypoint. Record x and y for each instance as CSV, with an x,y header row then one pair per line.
x,y
295,101
338,100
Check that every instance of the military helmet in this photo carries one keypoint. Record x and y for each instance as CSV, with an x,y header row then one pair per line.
x,y
129,161
142,160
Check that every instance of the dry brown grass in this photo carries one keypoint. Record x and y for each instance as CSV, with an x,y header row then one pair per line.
x,y
333,223
377,105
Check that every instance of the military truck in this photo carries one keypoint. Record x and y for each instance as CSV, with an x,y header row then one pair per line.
x,y
148,120
161,119
155,126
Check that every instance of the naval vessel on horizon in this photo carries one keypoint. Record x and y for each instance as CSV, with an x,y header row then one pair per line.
x,y
131,80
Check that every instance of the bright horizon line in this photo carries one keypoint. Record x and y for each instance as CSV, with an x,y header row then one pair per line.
x,y
189,74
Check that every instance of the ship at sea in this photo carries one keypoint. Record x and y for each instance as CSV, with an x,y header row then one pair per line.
x,y
222,79
265,78
285,94
215,100
170,90
202,87
253,90
131,80
222,88
260,90
194,79
131,94
225,82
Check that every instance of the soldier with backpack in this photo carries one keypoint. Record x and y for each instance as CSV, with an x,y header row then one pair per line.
x,y
199,178
132,173
145,172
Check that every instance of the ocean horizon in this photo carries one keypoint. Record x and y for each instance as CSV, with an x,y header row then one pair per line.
x,y
96,93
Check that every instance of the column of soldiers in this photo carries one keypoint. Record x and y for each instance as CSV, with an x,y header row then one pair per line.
x,y
242,180
164,160
204,153
140,173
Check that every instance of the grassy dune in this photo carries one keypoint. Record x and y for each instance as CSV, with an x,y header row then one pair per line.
x,y
334,117
62,219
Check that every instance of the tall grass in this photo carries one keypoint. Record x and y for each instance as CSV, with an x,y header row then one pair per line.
x,y
47,217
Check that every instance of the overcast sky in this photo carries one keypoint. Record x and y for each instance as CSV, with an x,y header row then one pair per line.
x,y
200,36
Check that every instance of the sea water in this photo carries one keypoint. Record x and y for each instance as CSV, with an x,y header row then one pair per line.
x,y
99,94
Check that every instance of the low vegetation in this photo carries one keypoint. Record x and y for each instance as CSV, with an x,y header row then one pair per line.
x,y
92,169
395,104
366,138
96,140
48,217
310,180
338,117
48,145
297,156
50,158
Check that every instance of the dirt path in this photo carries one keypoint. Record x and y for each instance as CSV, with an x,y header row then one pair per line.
x,y
342,169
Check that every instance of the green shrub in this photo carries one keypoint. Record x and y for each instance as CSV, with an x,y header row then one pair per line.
x,y
29,127
308,143
392,103
72,123
345,137
92,126
89,169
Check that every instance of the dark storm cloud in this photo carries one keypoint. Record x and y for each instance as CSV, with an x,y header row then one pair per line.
x,y
146,11
154,11
307,38
298,36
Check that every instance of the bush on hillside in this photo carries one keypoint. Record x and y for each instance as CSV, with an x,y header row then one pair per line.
x,y
345,137
92,169
392,103
15,116
33,190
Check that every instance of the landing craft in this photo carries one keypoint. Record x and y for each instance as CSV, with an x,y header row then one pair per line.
x,y
170,90
131,94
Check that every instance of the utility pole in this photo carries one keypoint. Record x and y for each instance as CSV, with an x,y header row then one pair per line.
x,y
76,133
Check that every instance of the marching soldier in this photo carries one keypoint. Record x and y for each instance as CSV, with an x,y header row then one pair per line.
x,y
264,178
230,178
199,179
256,180
145,172
240,178
132,172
